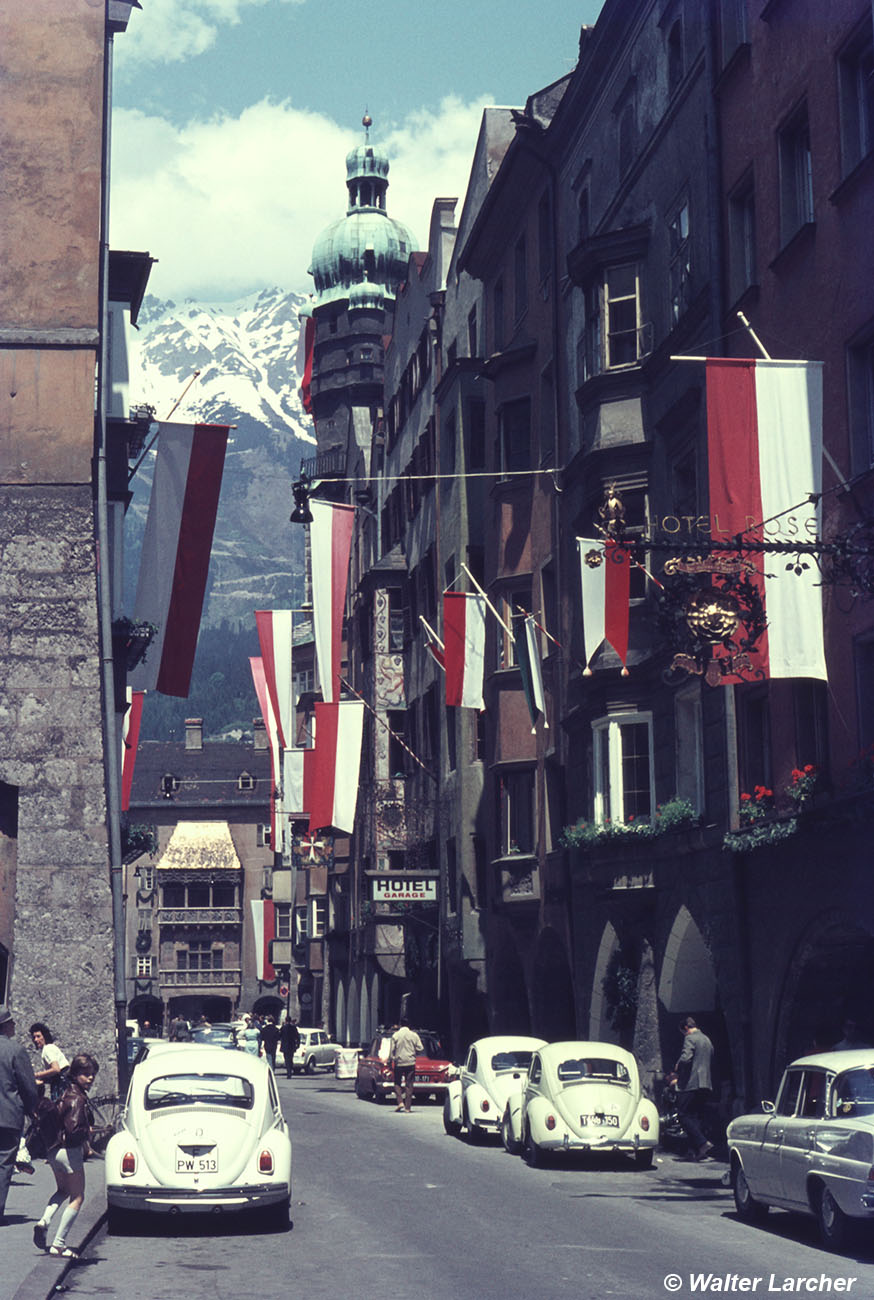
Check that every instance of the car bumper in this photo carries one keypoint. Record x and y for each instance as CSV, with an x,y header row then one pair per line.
x,y
176,1200
389,1086
567,1142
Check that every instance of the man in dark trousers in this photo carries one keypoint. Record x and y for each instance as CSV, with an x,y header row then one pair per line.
x,y
289,1041
694,1086
270,1040
18,1098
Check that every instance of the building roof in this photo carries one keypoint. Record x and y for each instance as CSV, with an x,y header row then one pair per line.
x,y
201,846
205,777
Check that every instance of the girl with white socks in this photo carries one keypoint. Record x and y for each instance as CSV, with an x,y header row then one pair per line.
x,y
68,1159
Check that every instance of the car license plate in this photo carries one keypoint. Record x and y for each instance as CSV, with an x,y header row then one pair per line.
x,y
188,1162
600,1121
422,1078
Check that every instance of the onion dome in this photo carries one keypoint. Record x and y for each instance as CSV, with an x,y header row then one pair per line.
x,y
366,247
366,297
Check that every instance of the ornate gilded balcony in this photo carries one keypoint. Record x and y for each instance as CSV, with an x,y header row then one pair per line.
x,y
200,916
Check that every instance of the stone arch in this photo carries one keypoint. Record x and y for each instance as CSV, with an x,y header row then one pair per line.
x,y
552,990
509,992
829,977
688,981
600,1028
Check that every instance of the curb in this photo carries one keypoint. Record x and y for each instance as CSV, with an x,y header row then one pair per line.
x,y
45,1278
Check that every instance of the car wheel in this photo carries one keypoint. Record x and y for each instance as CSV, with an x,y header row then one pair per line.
x,y
748,1208
531,1152
379,1095
834,1226
117,1221
643,1159
359,1091
310,1067
452,1126
510,1145
276,1217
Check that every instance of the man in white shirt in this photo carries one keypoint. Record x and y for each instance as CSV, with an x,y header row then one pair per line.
x,y
406,1045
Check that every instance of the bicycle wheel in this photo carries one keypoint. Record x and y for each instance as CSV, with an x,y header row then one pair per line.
x,y
105,1112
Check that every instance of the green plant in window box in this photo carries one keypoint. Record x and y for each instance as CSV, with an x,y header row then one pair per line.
x,y
675,815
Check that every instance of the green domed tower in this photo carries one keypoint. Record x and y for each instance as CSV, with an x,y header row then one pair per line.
x,y
358,264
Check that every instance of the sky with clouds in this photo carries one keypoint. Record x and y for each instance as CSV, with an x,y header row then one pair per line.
x,y
232,119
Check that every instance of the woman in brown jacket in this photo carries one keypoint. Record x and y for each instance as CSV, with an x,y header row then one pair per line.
x,y
67,1159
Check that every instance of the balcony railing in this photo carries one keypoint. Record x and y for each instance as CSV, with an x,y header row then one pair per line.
x,y
200,916
200,978
328,464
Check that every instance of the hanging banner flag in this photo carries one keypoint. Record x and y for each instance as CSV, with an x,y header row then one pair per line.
x,y
433,644
305,346
604,572
464,632
528,658
334,793
266,707
130,738
292,781
174,561
263,929
330,546
764,442
274,635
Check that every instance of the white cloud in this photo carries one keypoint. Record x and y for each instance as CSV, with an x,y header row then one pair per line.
x,y
231,204
181,29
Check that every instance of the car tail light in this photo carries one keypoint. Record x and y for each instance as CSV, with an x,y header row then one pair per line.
x,y
265,1162
484,1104
550,1122
128,1163
644,1123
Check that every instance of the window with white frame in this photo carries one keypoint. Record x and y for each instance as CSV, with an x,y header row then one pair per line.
x,y
742,268
262,836
146,879
622,767
614,332
856,92
301,929
796,175
860,379
144,918
318,917
145,967
681,259
688,747
517,812
200,955
282,913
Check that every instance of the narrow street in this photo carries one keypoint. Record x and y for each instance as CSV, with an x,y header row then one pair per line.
x,y
388,1204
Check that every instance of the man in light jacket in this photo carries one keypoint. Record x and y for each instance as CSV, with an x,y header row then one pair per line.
x,y
406,1045
694,1086
18,1098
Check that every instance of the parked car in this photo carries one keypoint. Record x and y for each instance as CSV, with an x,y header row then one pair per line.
x,y
215,1035
201,1130
316,1052
581,1096
494,1069
813,1149
375,1077
138,1048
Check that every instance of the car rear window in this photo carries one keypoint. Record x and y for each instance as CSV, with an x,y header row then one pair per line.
x,y
592,1069
511,1061
199,1089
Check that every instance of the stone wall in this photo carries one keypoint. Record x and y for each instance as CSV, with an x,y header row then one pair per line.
x,y
51,750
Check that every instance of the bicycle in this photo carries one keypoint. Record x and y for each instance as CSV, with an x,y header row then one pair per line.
x,y
105,1112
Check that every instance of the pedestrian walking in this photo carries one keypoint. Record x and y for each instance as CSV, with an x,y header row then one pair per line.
x,y
67,1157
54,1063
270,1040
18,1099
693,1078
406,1045
289,1041
250,1038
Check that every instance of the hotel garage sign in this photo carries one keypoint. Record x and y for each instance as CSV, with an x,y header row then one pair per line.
x,y
392,887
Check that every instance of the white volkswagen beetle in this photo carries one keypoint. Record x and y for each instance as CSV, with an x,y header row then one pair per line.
x,y
581,1096
202,1130
493,1070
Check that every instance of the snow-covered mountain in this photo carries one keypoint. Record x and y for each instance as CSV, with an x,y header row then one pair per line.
x,y
245,353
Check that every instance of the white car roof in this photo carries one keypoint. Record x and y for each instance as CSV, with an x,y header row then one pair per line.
x,y
853,1058
554,1053
188,1058
508,1043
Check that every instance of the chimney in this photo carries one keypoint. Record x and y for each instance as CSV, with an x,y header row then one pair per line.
x,y
194,733
259,733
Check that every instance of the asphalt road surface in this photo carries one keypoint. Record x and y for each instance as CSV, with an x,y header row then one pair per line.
x,y
388,1205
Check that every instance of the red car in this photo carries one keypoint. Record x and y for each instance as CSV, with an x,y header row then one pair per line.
x,y
375,1077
